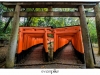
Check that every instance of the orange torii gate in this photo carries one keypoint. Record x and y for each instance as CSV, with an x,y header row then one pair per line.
x,y
72,33
30,36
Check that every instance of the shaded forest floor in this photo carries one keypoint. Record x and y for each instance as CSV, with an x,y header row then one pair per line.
x,y
3,53
97,57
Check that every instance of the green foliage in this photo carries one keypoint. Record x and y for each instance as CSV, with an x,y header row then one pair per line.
x,y
0,14
50,21
92,29
4,35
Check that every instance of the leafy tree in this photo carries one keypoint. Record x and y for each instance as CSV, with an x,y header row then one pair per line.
x,y
92,29
50,21
4,35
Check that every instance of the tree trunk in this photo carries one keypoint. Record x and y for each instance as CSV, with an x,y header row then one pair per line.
x,y
97,18
13,40
86,39
6,25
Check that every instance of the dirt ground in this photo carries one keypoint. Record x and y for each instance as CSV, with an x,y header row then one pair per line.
x,y
65,59
97,57
3,52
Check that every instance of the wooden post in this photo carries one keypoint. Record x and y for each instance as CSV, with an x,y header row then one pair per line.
x,y
51,51
50,48
13,40
97,18
49,8
50,11
86,39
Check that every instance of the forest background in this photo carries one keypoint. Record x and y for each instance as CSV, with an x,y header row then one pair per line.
x,y
6,22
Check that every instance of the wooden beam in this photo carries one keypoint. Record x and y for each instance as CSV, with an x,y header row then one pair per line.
x,y
86,39
97,11
49,14
46,4
10,60
49,8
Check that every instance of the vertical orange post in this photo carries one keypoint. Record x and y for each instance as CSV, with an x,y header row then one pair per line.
x,y
45,41
62,42
33,41
57,42
24,41
37,40
66,40
80,43
55,47
30,40
73,41
20,40
41,40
